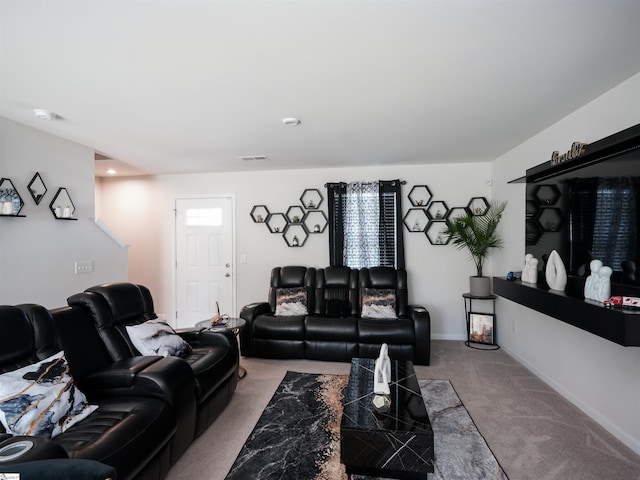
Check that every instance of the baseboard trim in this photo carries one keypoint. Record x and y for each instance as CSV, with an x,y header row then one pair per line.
x,y
448,336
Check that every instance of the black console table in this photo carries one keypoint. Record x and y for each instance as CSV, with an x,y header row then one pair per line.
x,y
619,325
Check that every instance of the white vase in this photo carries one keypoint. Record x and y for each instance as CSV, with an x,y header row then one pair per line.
x,y
556,273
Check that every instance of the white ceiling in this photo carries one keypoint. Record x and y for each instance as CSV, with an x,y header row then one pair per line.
x,y
190,86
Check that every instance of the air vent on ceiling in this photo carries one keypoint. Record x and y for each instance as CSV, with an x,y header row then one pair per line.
x,y
254,158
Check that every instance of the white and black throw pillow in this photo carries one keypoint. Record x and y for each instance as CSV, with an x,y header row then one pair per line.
x,y
379,303
291,301
41,399
156,337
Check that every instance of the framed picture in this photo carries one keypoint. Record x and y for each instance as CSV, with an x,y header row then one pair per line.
x,y
482,328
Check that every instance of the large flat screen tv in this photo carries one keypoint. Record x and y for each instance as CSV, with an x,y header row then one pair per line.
x,y
589,208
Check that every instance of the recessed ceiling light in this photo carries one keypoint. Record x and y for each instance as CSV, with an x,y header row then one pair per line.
x,y
291,121
44,114
111,171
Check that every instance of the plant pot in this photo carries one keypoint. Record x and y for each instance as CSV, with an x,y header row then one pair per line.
x,y
480,286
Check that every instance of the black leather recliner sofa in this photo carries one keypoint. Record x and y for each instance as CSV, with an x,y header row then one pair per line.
x,y
334,327
130,433
214,357
150,408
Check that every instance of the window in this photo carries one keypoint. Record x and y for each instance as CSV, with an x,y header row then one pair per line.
x,y
203,217
365,224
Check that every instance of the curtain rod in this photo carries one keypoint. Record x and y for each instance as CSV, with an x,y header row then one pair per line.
x,y
402,182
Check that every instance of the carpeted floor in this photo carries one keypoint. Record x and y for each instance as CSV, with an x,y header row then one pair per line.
x,y
533,431
298,434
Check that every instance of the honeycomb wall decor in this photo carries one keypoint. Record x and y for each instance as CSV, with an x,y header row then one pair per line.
x,y
431,217
298,222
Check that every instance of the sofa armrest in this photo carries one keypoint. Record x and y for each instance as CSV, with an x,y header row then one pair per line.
x,y
165,378
62,469
422,327
249,313
21,448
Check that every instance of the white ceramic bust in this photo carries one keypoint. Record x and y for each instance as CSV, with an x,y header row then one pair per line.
x,y
530,270
591,284
604,284
556,273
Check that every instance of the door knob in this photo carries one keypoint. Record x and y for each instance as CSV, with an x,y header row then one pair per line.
x,y
227,265
227,274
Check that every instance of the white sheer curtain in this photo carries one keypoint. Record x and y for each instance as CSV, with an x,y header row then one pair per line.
x,y
361,220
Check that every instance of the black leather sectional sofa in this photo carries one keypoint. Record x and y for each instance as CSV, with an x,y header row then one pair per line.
x,y
335,327
150,408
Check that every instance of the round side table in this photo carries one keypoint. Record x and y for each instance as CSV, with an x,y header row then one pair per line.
x,y
231,324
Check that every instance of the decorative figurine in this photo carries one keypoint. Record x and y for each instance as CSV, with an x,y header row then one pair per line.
x,y
295,242
604,287
381,376
620,301
530,271
556,273
591,284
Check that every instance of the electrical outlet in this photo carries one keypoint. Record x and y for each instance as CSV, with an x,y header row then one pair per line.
x,y
84,266
514,325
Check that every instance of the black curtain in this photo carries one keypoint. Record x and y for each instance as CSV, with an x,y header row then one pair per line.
x,y
336,195
391,238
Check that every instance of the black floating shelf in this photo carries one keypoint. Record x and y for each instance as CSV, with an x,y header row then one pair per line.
x,y
621,326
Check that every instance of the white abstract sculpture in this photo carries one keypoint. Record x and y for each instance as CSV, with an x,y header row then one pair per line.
x,y
381,376
555,272
530,270
382,372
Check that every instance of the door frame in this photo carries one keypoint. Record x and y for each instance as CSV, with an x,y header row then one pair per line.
x,y
213,196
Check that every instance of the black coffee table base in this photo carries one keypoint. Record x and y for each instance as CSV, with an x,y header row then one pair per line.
x,y
398,444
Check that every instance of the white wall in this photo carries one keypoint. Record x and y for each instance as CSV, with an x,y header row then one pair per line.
x,y
599,376
38,252
140,210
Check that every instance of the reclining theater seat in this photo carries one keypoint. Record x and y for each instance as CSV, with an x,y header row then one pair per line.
x,y
409,335
270,335
214,357
130,434
331,333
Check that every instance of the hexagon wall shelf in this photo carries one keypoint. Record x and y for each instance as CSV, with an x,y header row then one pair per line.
x,y
419,196
478,206
416,220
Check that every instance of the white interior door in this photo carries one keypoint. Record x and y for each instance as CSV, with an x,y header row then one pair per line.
x,y
204,259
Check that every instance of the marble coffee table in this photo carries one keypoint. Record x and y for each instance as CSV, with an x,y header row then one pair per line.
x,y
397,444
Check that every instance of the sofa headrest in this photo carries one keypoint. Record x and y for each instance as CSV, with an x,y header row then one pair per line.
x,y
336,277
126,301
27,336
290,276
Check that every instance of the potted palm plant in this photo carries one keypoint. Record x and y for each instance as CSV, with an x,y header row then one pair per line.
x,y
478,234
